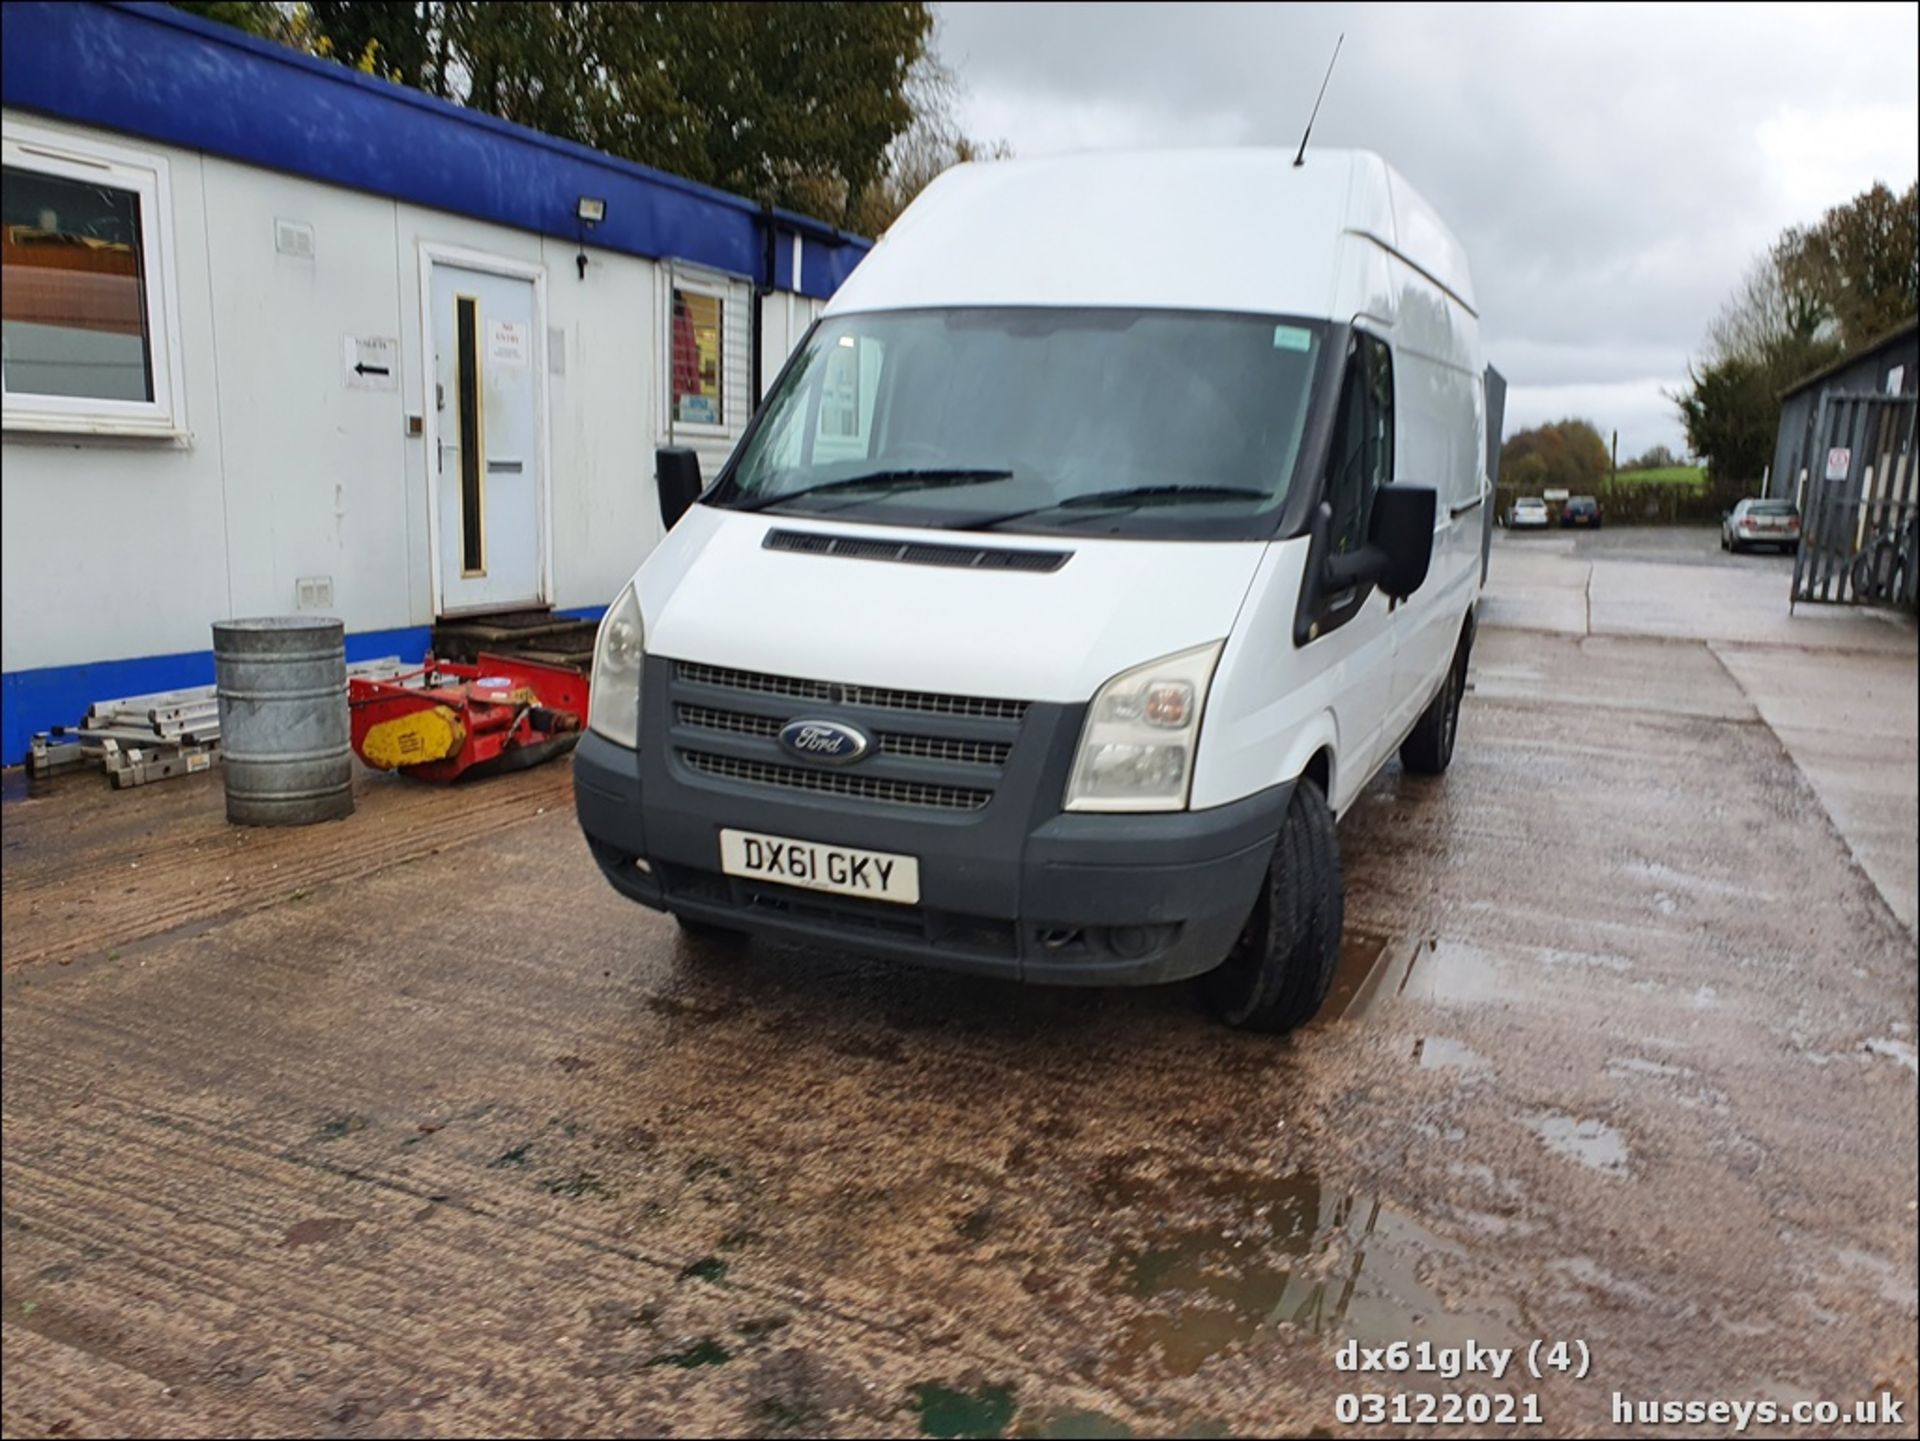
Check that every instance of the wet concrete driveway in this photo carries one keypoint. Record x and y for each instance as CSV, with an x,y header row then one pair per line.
x,y
408,1125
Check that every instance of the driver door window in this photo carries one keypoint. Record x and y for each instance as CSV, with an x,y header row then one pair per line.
x,y
1361,460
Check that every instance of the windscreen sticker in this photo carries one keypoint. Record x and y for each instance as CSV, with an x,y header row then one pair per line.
x,y
1292,337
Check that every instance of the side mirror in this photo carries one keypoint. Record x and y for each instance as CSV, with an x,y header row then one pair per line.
x,y
1399,544
1402,528
677,469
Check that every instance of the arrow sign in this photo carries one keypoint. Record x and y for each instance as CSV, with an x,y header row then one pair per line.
x,y
371,362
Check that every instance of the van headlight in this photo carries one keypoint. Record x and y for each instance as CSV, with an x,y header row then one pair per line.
x,y
613,704
1136,752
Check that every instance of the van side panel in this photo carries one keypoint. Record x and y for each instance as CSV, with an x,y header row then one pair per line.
x,y
1272,705
1440,440
1364,285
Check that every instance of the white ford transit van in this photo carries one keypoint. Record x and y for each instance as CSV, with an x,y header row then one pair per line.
x,y
1119,519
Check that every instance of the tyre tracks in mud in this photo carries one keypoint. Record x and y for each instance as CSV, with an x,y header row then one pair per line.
x,y
161,872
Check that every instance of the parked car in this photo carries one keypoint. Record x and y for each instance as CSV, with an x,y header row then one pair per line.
x,y
923,673
1581,511
1529,512
1760,522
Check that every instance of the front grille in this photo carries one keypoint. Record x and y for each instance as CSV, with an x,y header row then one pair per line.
x,y
945,748
839,783
910,552
836,693
892,743
733,722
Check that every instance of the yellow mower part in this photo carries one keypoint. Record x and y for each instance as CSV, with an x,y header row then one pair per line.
x,y
413,739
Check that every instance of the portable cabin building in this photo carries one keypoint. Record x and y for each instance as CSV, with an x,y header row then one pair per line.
x,y
282,336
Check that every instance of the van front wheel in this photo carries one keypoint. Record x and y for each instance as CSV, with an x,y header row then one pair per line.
x,y
1279,970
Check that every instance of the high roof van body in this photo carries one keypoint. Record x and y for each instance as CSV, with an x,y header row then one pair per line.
x,y
1120,518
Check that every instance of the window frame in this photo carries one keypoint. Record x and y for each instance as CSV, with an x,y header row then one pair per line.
x,y
679,281
1323,612
147,176
1370,359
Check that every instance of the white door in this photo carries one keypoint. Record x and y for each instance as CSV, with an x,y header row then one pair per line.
x,y
489,450
1355,631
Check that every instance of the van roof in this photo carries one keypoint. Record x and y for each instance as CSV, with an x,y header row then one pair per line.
x,y
1221,229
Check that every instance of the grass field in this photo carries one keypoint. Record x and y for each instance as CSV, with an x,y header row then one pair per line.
x,y
1692,476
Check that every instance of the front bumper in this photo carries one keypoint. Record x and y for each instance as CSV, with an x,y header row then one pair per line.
x,y
1017,889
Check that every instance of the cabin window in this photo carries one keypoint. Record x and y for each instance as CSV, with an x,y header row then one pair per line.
x,y
699,361
86,304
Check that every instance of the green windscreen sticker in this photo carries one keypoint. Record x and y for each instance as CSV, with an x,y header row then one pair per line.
x,y
1292,337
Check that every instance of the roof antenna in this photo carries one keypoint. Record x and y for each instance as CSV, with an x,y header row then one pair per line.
x,y
1301,158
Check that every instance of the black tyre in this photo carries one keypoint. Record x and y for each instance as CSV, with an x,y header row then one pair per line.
x,y
1428,748
1279,970
706,933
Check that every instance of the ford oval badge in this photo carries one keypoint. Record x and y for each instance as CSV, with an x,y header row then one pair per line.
x,y
828,742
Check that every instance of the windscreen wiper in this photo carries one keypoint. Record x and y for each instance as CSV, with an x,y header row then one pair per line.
x,y
1127,497
883,480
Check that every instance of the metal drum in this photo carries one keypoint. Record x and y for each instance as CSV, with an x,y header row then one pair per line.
x,y
284,735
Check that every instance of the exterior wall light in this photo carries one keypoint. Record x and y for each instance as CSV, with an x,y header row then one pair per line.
x,y
589,210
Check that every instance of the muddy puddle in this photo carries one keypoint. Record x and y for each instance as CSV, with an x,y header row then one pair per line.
x,y
1375,969
1287,1256
1366,977
1591,1143
1440,1053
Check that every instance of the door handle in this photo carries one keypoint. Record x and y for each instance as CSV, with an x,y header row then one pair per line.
x,y
1466,505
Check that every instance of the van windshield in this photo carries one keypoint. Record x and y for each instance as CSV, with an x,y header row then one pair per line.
x,y
1127,422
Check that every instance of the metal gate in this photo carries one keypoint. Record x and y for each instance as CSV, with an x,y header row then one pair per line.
x,y
1860,504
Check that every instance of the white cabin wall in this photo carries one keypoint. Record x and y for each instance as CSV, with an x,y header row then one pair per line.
x,y
121,548
314,468
117,547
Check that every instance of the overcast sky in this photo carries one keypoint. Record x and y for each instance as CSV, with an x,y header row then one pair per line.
x,y
1611,170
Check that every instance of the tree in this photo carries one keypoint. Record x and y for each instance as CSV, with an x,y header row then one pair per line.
x,y
1860,265
400,36
1561,455
933,144
795,105
1774,329
1771,316
1731,410
1655,458
1821,291
257,17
